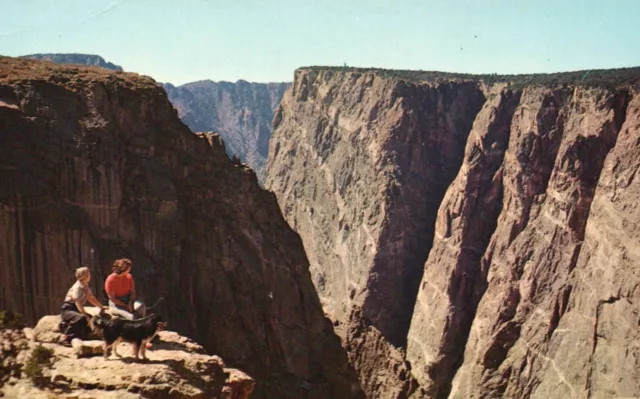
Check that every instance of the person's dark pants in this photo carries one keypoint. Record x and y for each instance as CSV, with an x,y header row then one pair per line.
x,y
76,324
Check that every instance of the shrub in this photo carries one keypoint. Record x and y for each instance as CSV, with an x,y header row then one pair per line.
x,y
10,320
39,358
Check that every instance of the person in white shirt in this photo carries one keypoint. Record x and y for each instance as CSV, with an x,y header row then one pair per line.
x,y
73,314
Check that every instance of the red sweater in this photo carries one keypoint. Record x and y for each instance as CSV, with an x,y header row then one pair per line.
x,y
119,284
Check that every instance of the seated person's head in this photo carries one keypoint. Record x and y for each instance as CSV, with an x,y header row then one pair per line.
x,y
122,266
83,274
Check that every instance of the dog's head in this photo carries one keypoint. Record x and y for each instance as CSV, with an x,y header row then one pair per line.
x,y
97,323
157,321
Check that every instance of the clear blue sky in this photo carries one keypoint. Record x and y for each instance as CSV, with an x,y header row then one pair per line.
x,y
185,40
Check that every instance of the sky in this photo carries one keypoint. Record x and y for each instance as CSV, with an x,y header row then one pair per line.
x,y
265,41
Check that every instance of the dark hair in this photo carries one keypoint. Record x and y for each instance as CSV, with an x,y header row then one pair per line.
x,y
121,265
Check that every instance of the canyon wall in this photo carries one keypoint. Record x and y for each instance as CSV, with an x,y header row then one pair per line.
x,y
95,165
469,236
240,112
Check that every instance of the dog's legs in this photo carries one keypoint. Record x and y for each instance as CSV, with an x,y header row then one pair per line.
x,y
115,347
143,349
107,348
136,349
142,345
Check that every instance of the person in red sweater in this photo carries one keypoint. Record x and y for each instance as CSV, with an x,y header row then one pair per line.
x,y
121,291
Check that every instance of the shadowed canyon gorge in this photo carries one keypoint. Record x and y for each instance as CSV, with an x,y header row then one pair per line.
x,y
470,236
240,112
426,235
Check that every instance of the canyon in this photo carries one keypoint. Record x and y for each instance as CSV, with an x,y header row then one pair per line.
x,y
240,112
427,235
96,165
469,236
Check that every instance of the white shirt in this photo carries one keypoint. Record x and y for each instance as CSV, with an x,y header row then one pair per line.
x,y
78,292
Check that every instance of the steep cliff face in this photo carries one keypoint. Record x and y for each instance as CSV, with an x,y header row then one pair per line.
x,y
462,233
241,113
360,165
549,323
81,59
96,165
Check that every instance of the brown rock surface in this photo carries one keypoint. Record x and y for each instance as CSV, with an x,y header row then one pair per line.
x,y
95,165
529,283
174,370
463,229
46,330
87,348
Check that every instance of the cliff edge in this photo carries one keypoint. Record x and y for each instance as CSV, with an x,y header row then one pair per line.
x,y
95,165
34,366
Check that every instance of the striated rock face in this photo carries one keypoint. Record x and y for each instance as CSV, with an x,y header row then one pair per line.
x,y
550,323
96,165
240,112
469,238
81,59
360,163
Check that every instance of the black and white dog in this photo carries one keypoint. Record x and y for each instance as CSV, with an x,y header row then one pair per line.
x,y
137,332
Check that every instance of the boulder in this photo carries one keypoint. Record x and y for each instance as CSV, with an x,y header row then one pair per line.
x,y
47,329
87,348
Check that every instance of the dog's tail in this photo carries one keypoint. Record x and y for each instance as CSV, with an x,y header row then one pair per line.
x,y
150,308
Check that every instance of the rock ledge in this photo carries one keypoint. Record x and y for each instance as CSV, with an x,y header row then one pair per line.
x,y
177,368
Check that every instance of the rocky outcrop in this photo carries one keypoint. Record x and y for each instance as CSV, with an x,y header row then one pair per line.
x,y
460,229
81,59
177,368
96,165
240,112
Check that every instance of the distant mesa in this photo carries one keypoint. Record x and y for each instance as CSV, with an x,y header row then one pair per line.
x,y
81,59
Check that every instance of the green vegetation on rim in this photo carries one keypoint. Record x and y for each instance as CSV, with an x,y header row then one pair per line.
x,y
607,78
